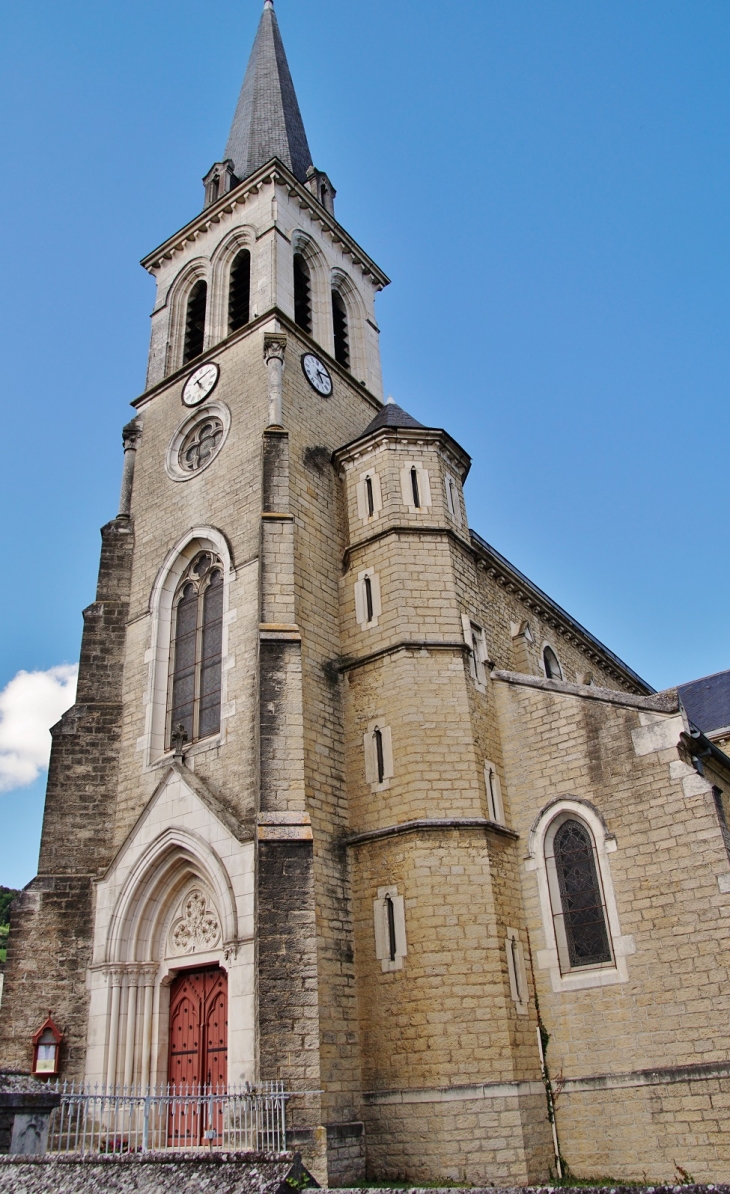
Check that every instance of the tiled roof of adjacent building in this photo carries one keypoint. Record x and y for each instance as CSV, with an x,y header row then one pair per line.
x,y
707,702
268,123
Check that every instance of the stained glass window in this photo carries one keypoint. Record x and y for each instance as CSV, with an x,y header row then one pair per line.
x,y
582,911
195,689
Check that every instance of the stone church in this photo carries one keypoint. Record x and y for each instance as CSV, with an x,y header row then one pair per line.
x,y
340,782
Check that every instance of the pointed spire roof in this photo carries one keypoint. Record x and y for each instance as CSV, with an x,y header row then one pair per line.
x,y
268,123
391,415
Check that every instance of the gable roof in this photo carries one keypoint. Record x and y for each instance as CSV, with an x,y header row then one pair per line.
x,y
268,123
707,702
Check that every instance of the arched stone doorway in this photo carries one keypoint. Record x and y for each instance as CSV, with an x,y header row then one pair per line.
x,y
174,922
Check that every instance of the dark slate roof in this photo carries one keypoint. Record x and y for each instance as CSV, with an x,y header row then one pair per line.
x,y
707,702
268,123
391,415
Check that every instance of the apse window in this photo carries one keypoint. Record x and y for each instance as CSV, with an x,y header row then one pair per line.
x,y
390,929
369,496
194,707
495,807
576,896
378,756
452,499
415,487
517,971
551,664
476,641
367,599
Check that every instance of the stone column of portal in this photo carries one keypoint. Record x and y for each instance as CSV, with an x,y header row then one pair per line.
x,y
131,436
274,350
148,980
116,977
132,980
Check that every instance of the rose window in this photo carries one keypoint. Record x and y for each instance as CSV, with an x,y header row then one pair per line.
x,y
201,444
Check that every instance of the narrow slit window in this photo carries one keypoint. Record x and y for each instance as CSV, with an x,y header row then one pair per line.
x,y
369,598
516,969
195,321
414,488
580,917
390,912
379,755
239,295
369,496
195,689
339,321
302,294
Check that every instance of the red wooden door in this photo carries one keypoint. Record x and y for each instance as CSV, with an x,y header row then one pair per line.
x,y
198,1060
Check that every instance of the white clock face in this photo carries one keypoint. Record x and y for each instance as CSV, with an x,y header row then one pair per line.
x,y
200,384
317,374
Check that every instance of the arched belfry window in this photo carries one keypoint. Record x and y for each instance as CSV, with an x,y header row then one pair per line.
x,y
551,663
239,294
195,321
302,294
196,654
576,896
340,328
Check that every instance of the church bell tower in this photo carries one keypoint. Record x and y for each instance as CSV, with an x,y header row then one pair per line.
x,y
196,796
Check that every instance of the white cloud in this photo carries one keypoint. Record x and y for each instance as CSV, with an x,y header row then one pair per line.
x,y
29,705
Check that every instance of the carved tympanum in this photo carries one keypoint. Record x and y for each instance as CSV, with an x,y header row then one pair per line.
x,y
198,929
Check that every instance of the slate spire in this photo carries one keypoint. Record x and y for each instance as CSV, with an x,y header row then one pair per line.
x,y
268,123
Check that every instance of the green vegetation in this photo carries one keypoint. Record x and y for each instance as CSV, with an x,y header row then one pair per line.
x,y
7,895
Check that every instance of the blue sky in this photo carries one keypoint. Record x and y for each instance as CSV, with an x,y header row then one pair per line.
x,y
546,181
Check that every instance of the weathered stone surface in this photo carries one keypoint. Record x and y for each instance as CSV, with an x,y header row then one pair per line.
x,y
153,1173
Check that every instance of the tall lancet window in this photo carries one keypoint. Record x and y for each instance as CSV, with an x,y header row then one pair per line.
x,y
339,321
195,681
575,889
195,321
239,295
302,294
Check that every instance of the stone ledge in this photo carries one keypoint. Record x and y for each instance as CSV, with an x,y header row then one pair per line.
x,y
615,1189
155,1173
661,702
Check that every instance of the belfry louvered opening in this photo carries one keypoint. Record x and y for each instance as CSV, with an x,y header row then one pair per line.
x,y
239,294
195,321
196,656
341,331
302,294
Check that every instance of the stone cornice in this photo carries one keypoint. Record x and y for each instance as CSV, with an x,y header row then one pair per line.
x,y
430,825
210,354
515,582
356,448
350,664
400,529
277,173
